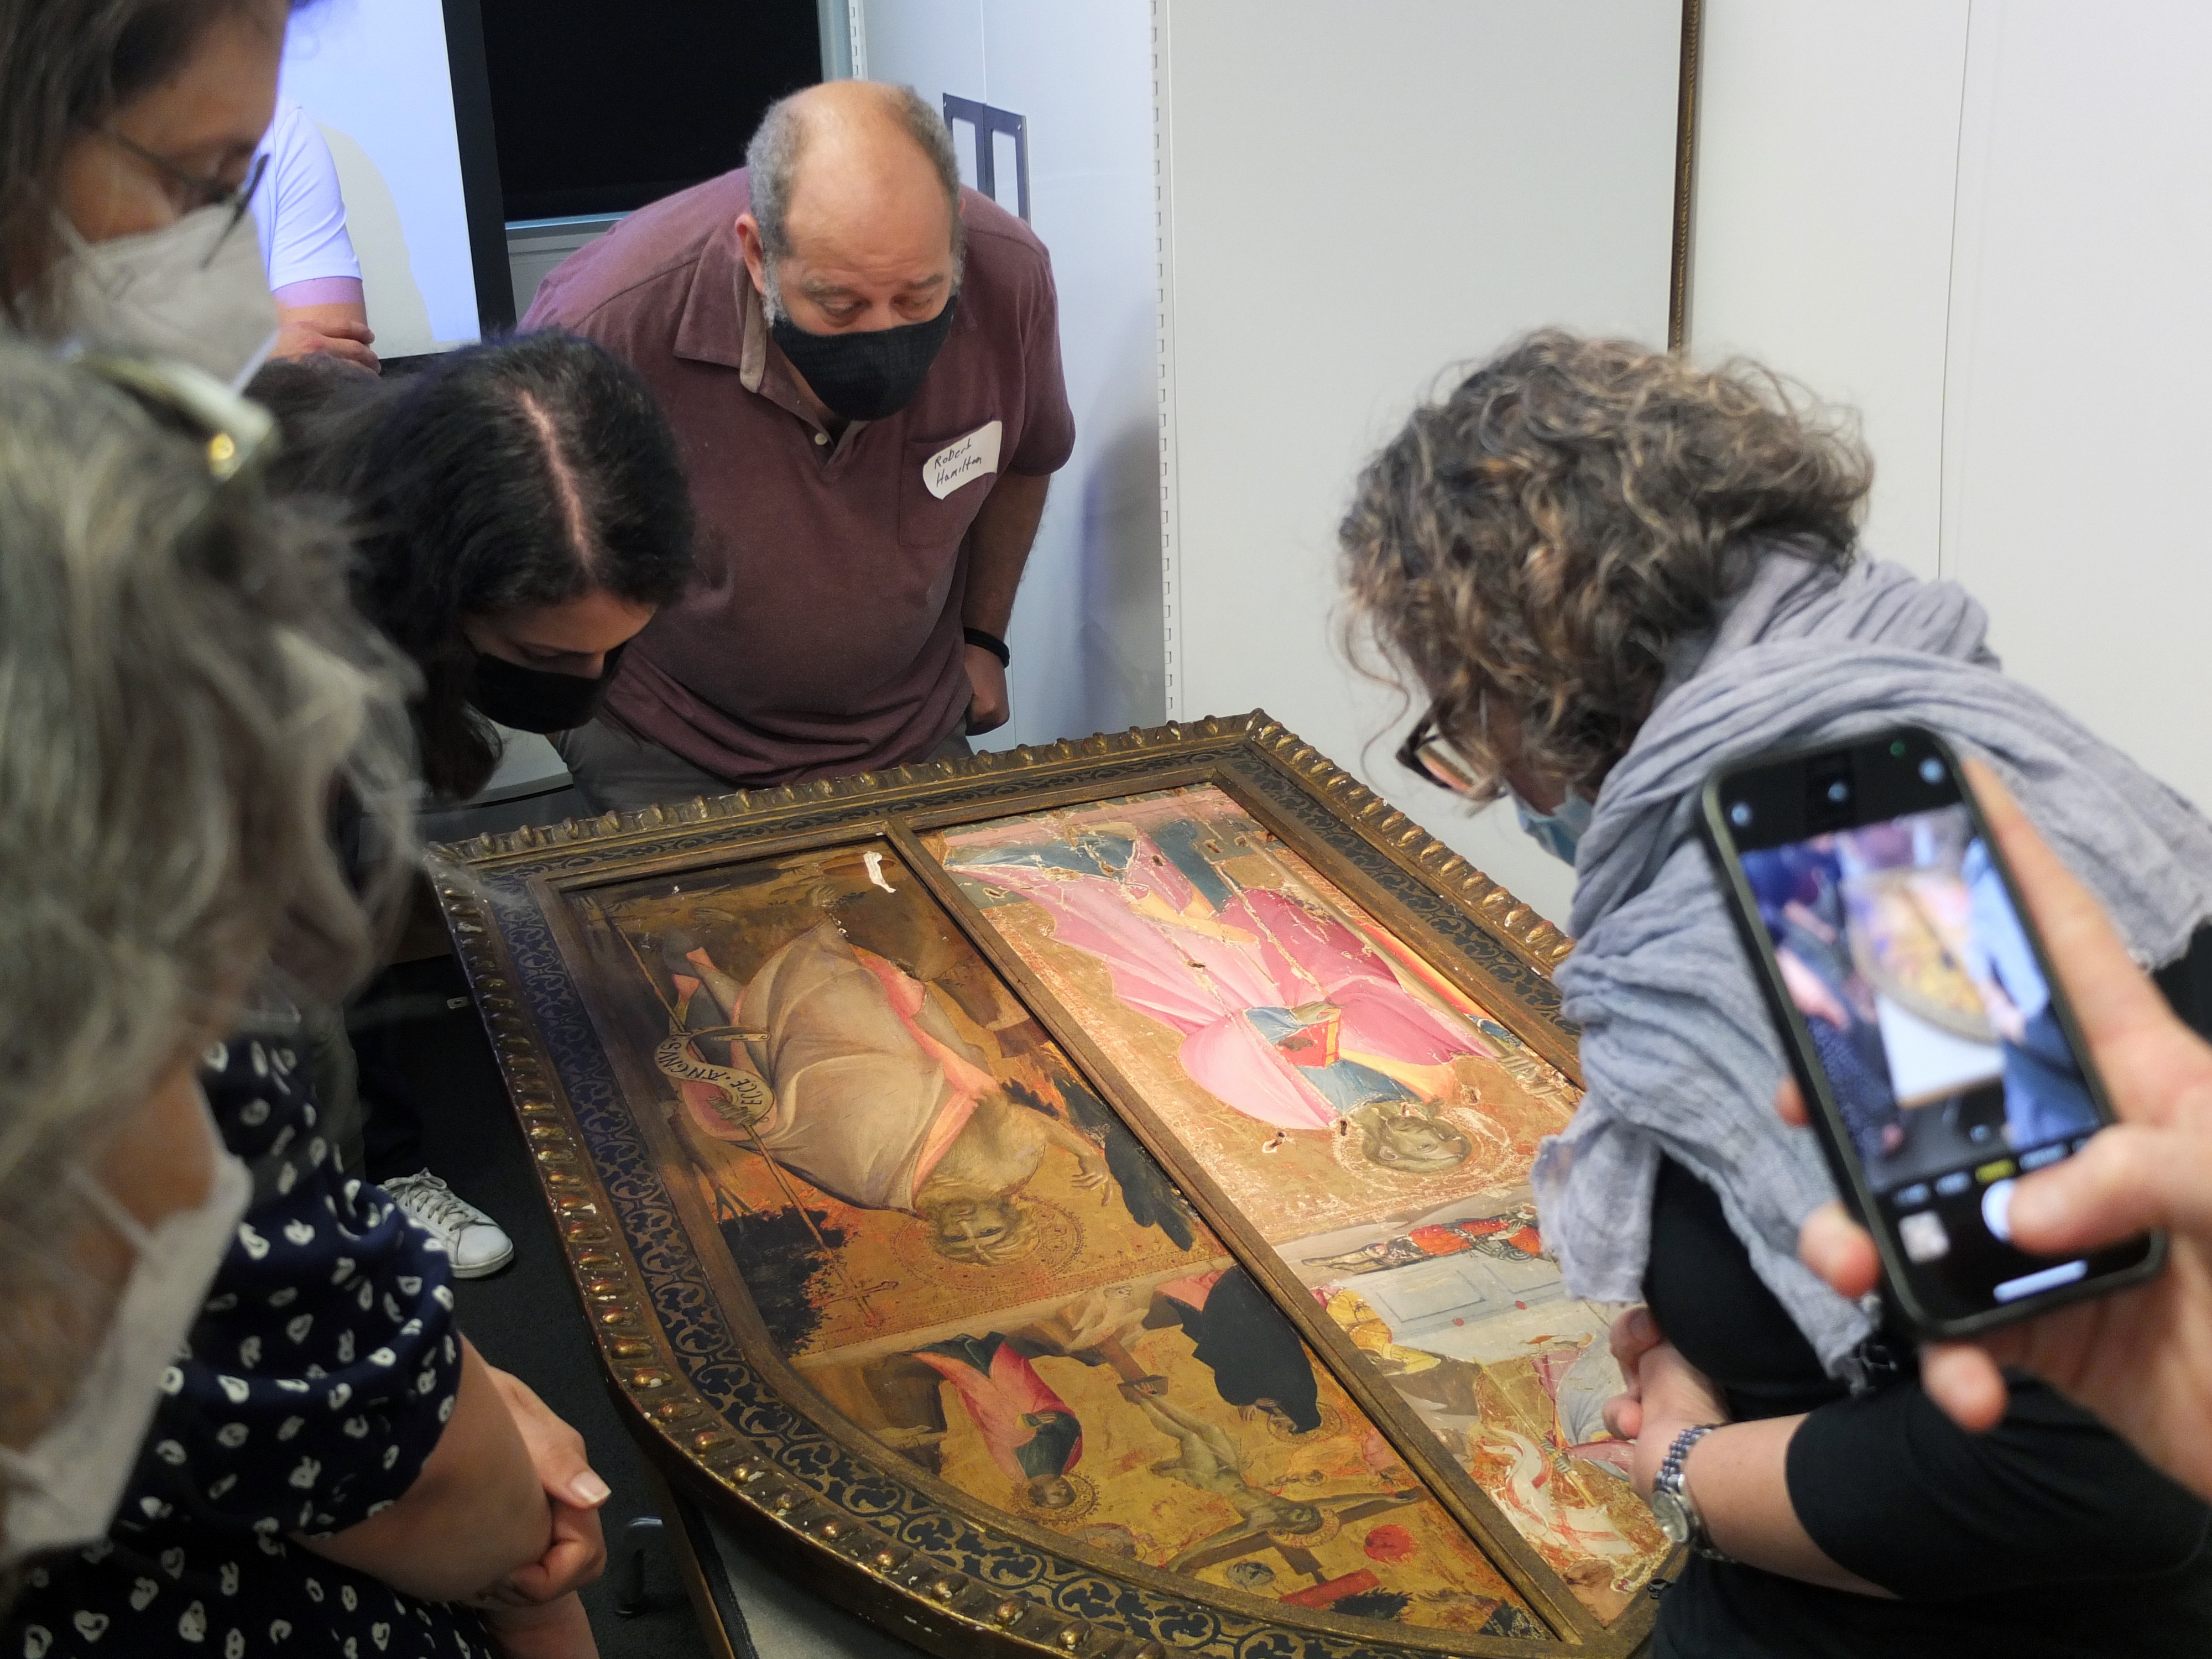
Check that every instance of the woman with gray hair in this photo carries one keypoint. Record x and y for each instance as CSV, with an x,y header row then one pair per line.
x,y
1609,572
183,695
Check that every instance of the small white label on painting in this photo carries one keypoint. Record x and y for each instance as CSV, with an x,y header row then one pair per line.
x,y
963,458
875,863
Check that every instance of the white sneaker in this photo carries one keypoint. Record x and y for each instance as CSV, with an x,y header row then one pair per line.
x,y
472,1238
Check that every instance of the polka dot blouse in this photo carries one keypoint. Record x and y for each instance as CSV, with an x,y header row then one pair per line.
x,y
308,1395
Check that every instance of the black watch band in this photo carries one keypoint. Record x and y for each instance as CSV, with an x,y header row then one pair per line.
x,y
990,642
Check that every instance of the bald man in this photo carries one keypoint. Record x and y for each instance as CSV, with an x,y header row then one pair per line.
x,y
861,362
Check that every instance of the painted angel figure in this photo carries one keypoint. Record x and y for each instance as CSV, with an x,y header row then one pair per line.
x,y
1029,1430
1285,1013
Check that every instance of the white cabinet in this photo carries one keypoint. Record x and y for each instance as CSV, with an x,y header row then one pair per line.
x,y
1985,223
1086,633
1356,198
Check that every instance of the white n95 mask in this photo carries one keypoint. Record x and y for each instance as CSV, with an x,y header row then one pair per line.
x,y
62,1492
194,290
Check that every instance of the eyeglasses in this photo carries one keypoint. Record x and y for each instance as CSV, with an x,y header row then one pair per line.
x,y
1427,751
210,191
237,435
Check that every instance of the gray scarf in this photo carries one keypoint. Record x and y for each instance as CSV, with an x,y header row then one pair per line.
x,y
1678,1054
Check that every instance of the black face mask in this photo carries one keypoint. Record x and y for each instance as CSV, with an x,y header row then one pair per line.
x,y
536,699
865,377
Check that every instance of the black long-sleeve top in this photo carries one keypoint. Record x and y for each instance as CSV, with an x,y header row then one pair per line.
x,y
2047,1536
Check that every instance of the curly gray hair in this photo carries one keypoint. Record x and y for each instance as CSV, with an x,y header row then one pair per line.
x,y
1526,550
184,694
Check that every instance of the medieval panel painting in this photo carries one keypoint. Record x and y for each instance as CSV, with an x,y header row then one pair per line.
x,y
950,1236
1373,1123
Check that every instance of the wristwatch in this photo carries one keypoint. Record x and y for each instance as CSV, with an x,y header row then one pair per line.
x,y
1672,1506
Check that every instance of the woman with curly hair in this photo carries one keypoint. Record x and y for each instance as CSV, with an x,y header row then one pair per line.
x,y
1609,572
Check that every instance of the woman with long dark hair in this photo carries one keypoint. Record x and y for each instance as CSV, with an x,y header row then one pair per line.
x,y
519,513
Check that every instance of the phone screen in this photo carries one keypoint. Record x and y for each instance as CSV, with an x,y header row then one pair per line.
x,y
1930,1016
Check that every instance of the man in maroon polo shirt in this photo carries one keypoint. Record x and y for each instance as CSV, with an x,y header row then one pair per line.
x,y
861,362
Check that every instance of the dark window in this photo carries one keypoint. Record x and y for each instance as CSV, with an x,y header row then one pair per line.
x,y
603,107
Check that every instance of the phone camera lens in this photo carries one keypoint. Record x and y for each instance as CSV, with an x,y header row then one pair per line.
x,y
1838,792
1931,770
1740,814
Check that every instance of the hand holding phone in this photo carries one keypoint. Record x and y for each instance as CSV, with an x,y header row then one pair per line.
x,y
2141,1359
1866,884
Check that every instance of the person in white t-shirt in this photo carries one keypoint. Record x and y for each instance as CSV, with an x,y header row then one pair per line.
x,y
302,217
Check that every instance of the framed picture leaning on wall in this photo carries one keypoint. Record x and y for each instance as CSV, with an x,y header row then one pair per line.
x,y
1076,1198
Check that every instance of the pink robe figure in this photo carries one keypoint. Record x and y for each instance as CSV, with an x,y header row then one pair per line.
x,y
1239,1065
1300,950
1308,960
1000,1389
1578,1415
1278,954
1179,976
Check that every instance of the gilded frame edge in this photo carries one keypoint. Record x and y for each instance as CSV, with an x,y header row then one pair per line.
x,y
687,1436
1383,825
560,899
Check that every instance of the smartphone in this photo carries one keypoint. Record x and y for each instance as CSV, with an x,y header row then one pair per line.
x,y
1936,1050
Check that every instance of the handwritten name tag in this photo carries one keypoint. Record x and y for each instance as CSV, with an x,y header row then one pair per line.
x,y
963,458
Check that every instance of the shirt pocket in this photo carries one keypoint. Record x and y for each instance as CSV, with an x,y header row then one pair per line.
x,y
925,520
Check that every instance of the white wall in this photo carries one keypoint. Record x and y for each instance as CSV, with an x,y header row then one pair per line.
x,y
1986,222
374,75
1827,138
1086,633
1358,197
2081,349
